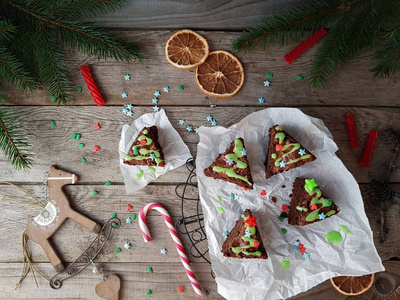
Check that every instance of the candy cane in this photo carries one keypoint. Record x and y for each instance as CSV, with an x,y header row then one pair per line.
x,y
147,238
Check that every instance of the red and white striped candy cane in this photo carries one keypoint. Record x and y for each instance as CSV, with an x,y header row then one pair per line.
x,y
147,238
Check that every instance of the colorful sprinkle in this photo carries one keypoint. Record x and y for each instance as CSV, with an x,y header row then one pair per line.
x,y
306,255
128,220
181,122
302,152
78,136
124,94
94,192
282,164
108,183
150,269
79,89
97,126
151,169
166,89
81,145
148,292
299,77
163,251
73,136
281,219
263,193
156,108
284,207
251,221
96,148
154,100
244,152
209,118
196,130
180,88
267,83
84,160
189,128
247,233
133,217
322,216
270,75
334,236
225,233
53,123
214,123
117,250
345,229
127,77
128,207
127,245
114,215
220,209
285,264
213,106
218,198
284,231
157,93
314,206
262,100
181,288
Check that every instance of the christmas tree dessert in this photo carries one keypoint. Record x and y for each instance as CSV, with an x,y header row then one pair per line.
x,y
308,204
244,240
232,165
146,150
284,152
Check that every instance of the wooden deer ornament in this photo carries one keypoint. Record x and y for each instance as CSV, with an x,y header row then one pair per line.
x,y
57,210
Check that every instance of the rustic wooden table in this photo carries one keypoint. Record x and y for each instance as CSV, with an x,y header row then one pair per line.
x,y
149,24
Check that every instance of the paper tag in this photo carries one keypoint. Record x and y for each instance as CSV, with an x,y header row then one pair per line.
x,y
47,216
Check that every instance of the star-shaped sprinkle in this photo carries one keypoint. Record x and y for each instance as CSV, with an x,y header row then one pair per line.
x,y
296,248
214,123
128,220
306,255
203,125
237,196
262,100
181,122
302,152
154,100
244,152
209,118
130,113
232,196
213,106
156,108
282,164
225,232
125,110
157,93
296,243
322,216
129,106
127,245
152,156
189,128
166,89
127,77
310,184
230,161
248,233
163,251
196,130
124,94
267,83
251,221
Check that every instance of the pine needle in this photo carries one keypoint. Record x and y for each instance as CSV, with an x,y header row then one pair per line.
x,y
7,30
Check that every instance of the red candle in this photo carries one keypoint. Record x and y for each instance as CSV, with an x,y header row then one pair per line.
x,y
352,131
368,148
94,91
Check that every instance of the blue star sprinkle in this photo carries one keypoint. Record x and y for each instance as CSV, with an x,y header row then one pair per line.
x,y
296,248
244,152
296,243
230,161
181,122
209,118
130,113
128,106
262,100
157,93
152,156
126,110
232,196
124,94
163,251
282,164
225,232
154,100
306,255
214,123
166,89
248,233
189,128
203,125
213,105
237,196
196,130
322,216
128,220
127,77
127,245
156,108
302,152
267,83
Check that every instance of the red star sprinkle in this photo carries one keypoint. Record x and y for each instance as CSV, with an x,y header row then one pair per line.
x,y
128,207
263,193
284,207
143,142
96,126
300,246
255,244
279,147
314,206
96,148
251,221
302,250
181,288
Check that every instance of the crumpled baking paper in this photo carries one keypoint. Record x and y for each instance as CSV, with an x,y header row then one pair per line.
x,y
176,153
266,279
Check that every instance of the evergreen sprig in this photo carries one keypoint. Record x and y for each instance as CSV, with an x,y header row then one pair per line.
x,y
354,26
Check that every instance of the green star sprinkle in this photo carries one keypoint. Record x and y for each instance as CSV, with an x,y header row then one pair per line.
x,y
53,123
84,160
281,219
81,145
108,183
94,193
180,88
299,77
148,292
117,250
133,217
310,185
150,269
285,264
114,215
79,89
270,75
284,231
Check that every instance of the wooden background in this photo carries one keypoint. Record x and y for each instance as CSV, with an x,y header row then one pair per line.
x,y
149,23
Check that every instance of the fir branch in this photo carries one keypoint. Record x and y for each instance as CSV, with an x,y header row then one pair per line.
x,y
13,72
12,138
391,138
7,30
388,57
288,26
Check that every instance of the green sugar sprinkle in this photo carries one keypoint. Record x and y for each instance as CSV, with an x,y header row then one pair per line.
x,y
270,75
94,192
284,231
150,269
114,215
148,292
299,77
180,88
133,217
79,89
108,183
84,160
117,250
53,123
285,264
219,208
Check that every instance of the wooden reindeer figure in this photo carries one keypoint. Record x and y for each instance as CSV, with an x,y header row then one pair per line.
x,y
57,210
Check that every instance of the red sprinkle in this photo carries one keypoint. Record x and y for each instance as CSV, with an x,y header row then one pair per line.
x,y
284,207
368,148
263,193
97,126
300,246
96,148
128,207
143,142
296,52
302,250
94,90
244,189
181,288
351,131
251,221
279,147
256,244
314,206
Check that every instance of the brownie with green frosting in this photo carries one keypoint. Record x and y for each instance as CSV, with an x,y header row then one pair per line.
x,y
232,165
145,149
308,204
284,152
244,240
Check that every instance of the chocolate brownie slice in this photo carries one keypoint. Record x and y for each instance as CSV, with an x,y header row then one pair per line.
x,y
232,165
308,204
145,149
244,240
284,152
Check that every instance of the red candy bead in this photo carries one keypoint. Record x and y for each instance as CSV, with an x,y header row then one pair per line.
x,y
314,206
263,193
284,207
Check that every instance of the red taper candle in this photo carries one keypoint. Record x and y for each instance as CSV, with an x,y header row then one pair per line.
x,y
368,148
94,90
296,52
351,131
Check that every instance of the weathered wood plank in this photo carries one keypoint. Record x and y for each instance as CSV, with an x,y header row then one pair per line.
x,y
353,84
53,145
72,238
204,14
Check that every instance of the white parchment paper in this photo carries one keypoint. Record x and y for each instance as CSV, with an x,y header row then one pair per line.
x,y
176,153
266,279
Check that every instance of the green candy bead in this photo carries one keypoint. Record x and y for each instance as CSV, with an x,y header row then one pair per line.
x,y
79,89
94,193
53,123
284,231
285,264
81,145
108,183
114,215
148,292
117,250
150,269
270,75
299,77
133,217
180,88
84,160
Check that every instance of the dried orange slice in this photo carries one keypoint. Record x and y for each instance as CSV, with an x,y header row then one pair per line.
x,y
353,285
186,49
221,75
